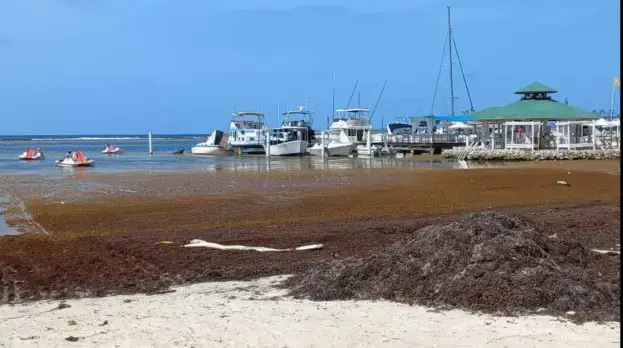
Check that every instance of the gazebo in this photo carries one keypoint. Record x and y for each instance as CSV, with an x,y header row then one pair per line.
x,y
526,120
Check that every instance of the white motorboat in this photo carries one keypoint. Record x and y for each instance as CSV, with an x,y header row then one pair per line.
x,y
294,136
32,155
246,133
112,150
348,130
212,146
77,159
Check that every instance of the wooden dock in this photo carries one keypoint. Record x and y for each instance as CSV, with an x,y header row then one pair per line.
x,y
423,143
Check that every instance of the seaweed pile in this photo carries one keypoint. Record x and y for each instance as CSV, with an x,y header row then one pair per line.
x,y
484,261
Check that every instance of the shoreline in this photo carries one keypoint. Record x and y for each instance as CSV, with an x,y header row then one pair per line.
x,y
234,314
106,234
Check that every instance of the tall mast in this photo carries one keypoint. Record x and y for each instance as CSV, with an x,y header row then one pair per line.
x,y
450,56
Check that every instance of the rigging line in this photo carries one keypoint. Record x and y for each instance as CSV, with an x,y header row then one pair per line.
x,y
352,94
469,96
443,56
377,102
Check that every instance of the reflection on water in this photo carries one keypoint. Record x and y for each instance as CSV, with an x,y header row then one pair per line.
x,y
260,164
5,229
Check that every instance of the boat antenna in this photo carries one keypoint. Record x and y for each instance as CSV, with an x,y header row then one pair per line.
x,y
352,94
278,116
333,105
450,57
377,101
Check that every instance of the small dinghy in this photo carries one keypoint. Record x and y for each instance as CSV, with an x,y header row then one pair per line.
x,y
32,155
77,159
112,150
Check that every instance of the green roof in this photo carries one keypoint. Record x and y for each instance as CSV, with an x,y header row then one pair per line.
x,y
533,109
536,87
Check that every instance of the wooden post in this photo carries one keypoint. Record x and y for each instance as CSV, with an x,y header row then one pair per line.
x,y
322,149
532,137
267,150
593,136
369,142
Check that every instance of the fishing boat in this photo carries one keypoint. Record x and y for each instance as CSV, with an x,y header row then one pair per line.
x,y
348,130
77,159
112,150
246,133
294,136
32,155
211,146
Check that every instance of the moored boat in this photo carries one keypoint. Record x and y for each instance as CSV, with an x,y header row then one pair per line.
x,y
211,146
294,136
246,133
348,130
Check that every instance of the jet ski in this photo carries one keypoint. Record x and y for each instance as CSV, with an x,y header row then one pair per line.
x,y
32,155
112,150
77,159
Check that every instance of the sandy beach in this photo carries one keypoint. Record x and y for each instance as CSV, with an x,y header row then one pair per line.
x,y
254,314
90,236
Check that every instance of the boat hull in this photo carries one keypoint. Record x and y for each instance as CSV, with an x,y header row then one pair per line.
x,y
339,149
211,150
66,164
290,148
255,149
36,158
332,149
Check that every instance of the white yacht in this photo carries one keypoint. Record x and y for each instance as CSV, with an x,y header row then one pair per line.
x,y
294,136
349,129
212,146
246,133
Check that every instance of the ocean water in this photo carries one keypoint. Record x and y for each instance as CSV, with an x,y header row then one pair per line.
x,y
136,158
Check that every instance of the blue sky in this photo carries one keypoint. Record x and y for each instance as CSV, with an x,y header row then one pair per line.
x,y
182,66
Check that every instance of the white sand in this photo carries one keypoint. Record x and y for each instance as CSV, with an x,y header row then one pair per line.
x,y
251,314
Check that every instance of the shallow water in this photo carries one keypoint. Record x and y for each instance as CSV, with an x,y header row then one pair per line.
x,y
136,158
5,229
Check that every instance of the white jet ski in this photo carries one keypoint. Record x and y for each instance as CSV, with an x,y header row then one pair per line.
x,y
112,150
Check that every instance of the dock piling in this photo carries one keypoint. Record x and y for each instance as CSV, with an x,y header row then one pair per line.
x,y
151,152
